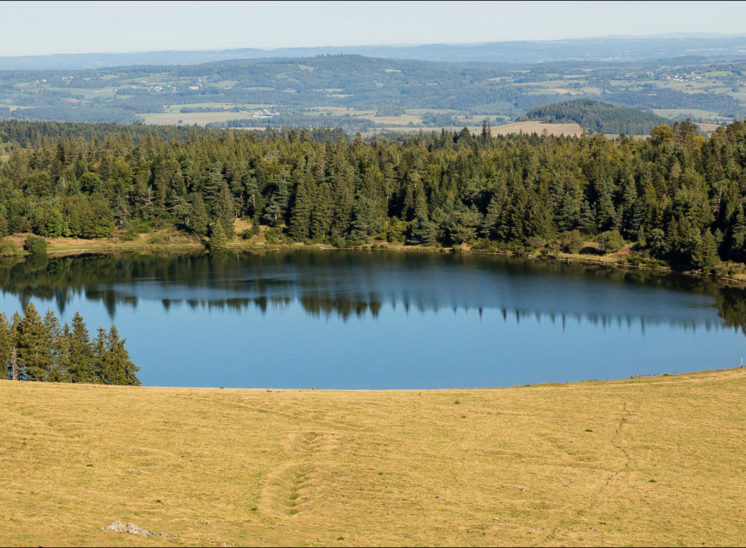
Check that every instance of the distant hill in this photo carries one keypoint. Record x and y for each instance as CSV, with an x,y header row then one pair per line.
x,y
610,48
369,94
598,117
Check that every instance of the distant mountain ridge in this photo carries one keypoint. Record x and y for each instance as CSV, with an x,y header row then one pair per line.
x,y
622,48
598,117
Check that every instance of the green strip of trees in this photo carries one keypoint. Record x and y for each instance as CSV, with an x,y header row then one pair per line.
x,y
41,349
678,196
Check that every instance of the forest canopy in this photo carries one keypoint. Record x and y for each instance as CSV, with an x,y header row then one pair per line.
x,y
677,196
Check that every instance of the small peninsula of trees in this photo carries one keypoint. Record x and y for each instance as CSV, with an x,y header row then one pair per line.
x,y
40,349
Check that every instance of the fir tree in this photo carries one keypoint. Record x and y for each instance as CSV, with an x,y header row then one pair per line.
x,y
54,339
224,210
100,358
300,217
322,214
80,365
6,346
34,356
218,240
120,369
198,217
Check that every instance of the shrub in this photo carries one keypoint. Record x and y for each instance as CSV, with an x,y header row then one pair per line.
x,y
7,249
274,235
36,245
572,241
159,238
611,241
128,236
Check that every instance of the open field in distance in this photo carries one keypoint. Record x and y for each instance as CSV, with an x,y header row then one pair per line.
x,y
645,461
532,126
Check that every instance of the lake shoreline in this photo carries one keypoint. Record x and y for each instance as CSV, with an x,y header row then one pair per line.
x,y
63,247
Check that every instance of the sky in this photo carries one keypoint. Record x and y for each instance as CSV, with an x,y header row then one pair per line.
x,y
38,28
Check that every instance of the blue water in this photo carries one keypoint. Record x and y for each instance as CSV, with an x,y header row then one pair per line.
x,y
354,320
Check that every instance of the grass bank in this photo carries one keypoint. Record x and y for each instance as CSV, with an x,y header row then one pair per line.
x,y
645,461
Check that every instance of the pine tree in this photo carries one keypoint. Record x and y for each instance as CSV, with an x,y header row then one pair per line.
x,y
224,210
120,369
274,212
423,232
737,247
321,215
54,339
198,216
6,346
300,217
587,219
100,361
15,327
64,367
364,221
80,365
33,347
218,240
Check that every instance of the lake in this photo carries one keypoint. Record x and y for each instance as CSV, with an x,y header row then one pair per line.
x,y
377,320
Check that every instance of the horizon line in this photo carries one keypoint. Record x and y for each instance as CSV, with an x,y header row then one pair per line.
x,y
391,45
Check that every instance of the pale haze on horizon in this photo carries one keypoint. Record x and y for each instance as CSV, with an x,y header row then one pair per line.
x,y
40,28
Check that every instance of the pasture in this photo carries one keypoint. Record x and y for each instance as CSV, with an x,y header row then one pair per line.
x,y
643,461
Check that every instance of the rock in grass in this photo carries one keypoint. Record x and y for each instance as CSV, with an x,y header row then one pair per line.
x,y
130,528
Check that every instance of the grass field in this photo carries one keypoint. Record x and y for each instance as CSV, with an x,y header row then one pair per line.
x,y
647,461
533,126
189,118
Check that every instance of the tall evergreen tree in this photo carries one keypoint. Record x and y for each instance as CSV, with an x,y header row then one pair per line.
x,y
80,366
300,217
34,354
120,369
6,346
53,331
198,219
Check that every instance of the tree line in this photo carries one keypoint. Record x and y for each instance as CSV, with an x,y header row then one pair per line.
x,y
676,196
41,349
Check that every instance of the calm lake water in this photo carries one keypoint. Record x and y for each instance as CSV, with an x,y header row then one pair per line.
x,y
356,320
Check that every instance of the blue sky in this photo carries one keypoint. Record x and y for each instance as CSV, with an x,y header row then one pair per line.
x,y
32,28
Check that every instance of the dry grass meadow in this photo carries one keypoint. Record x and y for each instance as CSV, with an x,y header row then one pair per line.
x,y
533,126
646,461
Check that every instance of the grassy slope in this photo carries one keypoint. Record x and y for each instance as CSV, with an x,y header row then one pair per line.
x,y
653,461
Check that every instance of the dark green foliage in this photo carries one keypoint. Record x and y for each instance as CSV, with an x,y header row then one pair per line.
x,y
597,117
672,195
218,239
33,347
42,350
7,344
79,364
300,218
197,220
119,368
